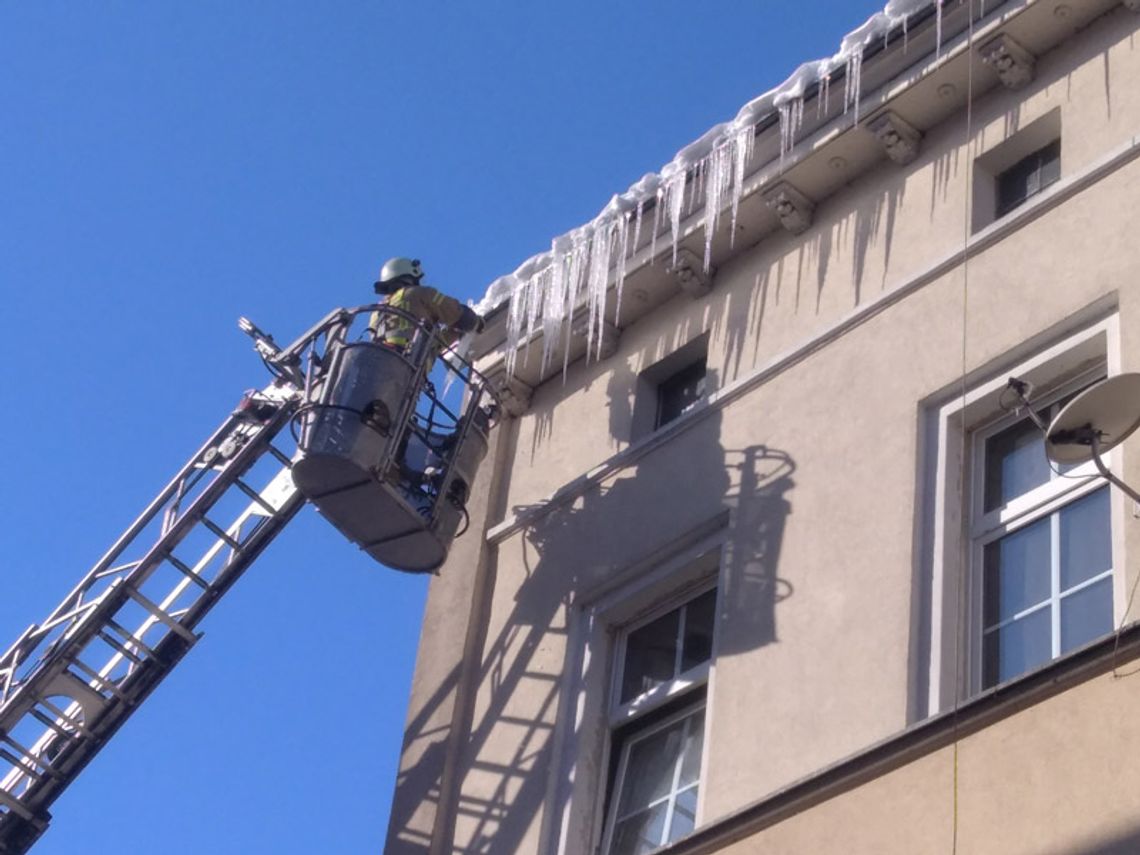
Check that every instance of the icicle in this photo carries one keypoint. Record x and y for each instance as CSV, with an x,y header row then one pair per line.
x,y
716,185
937,29
854,82
675,195
742,142
696,185
656,222
906,35
637,225
825,90
597,278
623,254
791,114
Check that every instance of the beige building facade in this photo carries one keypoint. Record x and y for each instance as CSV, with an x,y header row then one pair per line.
x,y
784,568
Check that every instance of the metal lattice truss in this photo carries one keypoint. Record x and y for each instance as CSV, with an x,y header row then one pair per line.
x,y
67,684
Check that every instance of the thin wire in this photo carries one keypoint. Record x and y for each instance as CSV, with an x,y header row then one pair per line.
x,y
962,556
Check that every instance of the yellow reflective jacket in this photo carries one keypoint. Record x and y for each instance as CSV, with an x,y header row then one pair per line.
x,y
425,303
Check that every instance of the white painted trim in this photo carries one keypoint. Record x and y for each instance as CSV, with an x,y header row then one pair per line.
x,y
681,570
987,237
954,412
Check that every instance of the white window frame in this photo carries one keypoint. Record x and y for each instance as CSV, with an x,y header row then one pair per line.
x,y
1037,504
682,570
685,712
621,713
951,614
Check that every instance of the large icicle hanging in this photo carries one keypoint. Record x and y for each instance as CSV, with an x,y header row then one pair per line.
x,y
742,142
675,199
717,183
791,114
854,82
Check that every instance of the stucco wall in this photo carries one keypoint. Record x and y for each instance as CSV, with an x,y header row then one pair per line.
x,y
817,465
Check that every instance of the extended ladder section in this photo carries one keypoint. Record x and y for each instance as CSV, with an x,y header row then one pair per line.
x,y
70,682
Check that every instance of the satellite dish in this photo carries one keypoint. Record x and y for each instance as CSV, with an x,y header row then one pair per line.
x,y
1099,418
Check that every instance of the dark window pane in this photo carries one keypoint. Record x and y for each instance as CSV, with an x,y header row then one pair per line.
x,y
650,656
1015,463
1086,541
651,767
684,814
680,392
1086,615
641,833
700,617
1017,647
1028,177
1017,571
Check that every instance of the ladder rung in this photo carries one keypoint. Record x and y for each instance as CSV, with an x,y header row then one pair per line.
x,y
77,730
156,610
220,533
253,494
129,638
103,682
27,766
16,806
120,646
281,456
188,572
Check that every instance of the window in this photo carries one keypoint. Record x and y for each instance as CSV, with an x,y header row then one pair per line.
x,y
1028,177
680,393
1017,169
672,387
658,720
1042,548
1020,557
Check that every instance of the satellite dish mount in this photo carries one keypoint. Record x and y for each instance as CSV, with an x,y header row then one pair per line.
x,y
1098,419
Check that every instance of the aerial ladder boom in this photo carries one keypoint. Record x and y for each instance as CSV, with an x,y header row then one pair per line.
x,y
67,684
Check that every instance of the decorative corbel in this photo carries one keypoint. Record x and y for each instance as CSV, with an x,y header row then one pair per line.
x,y
690,274
792,207
1015,66
897,137
514,394
610,335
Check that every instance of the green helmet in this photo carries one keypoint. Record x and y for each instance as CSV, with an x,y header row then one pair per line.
x,y
398,272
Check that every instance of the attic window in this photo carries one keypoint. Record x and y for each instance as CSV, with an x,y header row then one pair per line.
x,y
1028,177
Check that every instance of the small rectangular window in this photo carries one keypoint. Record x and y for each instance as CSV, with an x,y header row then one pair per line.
x,y
1028,177
680,393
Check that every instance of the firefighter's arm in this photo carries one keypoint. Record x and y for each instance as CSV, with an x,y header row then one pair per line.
x,y
454,314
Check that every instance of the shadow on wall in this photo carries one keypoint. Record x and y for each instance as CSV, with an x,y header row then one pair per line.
x,y
845,226
578,547
752,587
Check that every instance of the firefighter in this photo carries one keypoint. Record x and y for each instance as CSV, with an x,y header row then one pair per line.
x,y
400,281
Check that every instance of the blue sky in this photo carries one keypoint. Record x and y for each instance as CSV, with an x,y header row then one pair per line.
x,y
166,167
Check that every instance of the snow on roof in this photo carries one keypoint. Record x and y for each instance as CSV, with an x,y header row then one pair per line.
x,y
545,289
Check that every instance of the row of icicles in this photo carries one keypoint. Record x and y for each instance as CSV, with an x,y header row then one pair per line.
x,y
545,291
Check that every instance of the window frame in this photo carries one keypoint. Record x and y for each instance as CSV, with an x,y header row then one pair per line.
x,y
621,714
1038,503
948,618
699,705
1008,205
